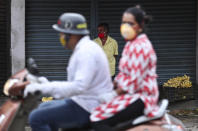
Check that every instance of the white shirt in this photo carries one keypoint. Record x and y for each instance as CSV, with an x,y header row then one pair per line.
x,y
88,76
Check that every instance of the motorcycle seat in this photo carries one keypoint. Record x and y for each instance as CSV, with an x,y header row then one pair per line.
x,y
160,113
137,121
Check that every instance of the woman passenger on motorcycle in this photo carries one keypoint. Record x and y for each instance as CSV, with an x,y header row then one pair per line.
x,y
136,89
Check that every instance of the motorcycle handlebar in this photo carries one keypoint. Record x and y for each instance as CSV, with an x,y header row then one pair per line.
x,y
17,83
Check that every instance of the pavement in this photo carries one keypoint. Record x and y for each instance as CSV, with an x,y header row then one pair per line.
x,y
187,112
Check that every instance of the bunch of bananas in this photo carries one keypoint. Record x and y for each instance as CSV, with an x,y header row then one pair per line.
x,y
179,82
46,99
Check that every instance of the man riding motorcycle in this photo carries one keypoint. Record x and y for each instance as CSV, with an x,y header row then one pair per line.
x,y
85,81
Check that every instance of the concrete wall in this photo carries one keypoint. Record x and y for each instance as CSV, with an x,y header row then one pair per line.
x,y
197,48
17,50
196,88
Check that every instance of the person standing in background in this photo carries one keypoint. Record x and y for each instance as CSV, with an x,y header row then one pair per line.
x,y
109,45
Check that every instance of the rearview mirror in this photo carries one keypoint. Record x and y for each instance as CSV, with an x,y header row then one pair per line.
x,y
32,66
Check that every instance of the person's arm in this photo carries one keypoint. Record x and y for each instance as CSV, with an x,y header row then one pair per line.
x,y
116,51
130,78
116,57
86,69
134,64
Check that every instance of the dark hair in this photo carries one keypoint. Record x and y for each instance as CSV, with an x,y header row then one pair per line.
x,y
140,15
105,25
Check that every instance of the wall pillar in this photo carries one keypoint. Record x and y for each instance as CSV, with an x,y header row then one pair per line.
x,y
196,87
17,50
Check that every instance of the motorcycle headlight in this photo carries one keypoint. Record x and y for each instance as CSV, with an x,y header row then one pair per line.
x,y
9,83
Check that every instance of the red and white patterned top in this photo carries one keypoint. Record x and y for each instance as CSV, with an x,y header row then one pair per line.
x,y
137,77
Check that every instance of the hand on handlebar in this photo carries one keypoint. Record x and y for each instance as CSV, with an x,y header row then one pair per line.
x,y
40,85
34,84
31,88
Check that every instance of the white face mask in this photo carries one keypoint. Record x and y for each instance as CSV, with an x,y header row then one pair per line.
x,y
127,31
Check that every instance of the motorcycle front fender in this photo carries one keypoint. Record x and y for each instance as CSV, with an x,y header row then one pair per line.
x,y
7,113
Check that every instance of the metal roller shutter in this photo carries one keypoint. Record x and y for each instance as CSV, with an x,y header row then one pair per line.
x,y
42,42
172,32
3,41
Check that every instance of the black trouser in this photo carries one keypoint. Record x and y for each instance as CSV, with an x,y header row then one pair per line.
x,y
131,112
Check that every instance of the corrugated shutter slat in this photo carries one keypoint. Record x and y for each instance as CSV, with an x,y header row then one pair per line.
x,y
172,32
42,42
